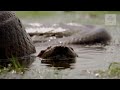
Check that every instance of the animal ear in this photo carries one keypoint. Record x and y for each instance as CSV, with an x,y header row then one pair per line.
x,y
41,53
49,47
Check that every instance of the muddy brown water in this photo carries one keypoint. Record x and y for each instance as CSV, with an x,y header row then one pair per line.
x,y
90,58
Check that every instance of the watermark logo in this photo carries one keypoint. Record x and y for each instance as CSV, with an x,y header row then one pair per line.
x,y
110,19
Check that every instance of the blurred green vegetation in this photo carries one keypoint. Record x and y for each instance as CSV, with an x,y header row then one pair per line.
x,y
64,16
34,13
14,65
113,71
50,13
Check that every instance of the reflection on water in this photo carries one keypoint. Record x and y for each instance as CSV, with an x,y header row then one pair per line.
x,y
27,61
63,64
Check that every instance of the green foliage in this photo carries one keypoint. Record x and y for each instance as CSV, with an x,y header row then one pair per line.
x,y
13,66
16,65
113,71
34,13
49,13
